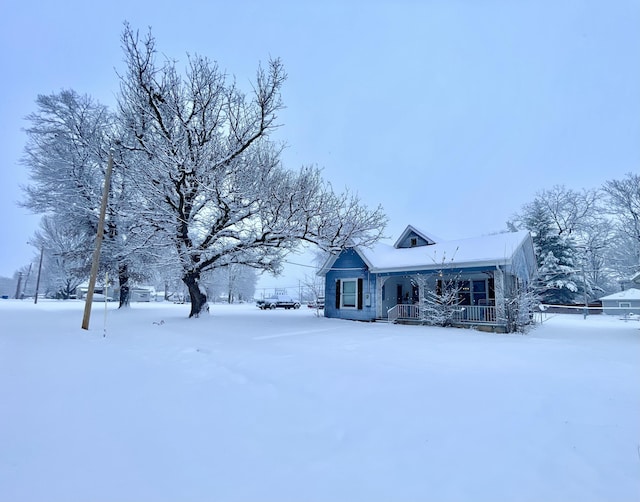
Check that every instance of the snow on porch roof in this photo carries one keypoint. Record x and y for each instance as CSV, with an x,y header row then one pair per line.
x,y
488,250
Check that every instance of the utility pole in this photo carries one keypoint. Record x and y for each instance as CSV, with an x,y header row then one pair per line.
x,y
96,251
26,280
584,286
18,286
39,272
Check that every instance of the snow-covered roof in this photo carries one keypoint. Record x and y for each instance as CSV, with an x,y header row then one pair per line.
x,y
636,278
488,250
627,294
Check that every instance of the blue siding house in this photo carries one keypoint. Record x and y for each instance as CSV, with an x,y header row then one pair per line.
x,y
388,282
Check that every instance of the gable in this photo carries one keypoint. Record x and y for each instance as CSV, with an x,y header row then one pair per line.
x,y
413,240
348,259
411,237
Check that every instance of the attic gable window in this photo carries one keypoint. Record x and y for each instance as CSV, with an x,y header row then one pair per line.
x,y
414,242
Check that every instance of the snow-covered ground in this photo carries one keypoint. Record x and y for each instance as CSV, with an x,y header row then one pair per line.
x,y
251,405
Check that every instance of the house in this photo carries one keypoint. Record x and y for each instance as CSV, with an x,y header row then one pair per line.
x,y
389,282
136,293
623,303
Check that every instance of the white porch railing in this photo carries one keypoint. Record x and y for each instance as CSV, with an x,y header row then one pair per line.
x,y
466,313
401,311
475,313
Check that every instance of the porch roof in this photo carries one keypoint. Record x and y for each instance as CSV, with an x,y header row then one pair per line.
x,y
489,250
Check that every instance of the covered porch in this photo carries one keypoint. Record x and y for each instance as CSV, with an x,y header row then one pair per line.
x,y
475,298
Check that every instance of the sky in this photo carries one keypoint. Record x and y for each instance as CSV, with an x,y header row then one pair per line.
x,y
451,115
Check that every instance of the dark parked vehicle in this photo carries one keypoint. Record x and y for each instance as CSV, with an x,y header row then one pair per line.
x,y
284,302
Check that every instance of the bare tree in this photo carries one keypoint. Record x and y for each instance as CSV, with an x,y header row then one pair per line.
x,y
66,264
439,300
520,305
235,282
624,207
212,180
568,209
314,285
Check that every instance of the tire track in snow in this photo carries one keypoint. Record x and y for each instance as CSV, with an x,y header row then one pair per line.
x,y
293,333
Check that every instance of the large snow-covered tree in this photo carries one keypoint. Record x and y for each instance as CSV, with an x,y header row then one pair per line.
x,y
68,143
211,178
65,139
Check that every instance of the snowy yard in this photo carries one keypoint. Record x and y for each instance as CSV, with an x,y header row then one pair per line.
x,y
251,405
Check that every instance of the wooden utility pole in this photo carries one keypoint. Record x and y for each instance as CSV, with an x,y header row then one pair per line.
x,y
96,251
24,286
39,272
18,286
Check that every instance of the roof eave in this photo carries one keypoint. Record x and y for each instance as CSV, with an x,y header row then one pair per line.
x,y
431,267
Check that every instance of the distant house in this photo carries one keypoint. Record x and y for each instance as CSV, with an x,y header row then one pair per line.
x,y
622,303
636,278
136,293
387,281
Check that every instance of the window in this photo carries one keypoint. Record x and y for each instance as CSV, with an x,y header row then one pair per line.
x,y
624,305
414,242
349,294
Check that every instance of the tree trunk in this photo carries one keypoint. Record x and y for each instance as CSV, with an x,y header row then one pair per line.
x,y
123,280
198,297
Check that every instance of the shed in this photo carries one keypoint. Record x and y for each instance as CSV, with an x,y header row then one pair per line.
x,y
622,303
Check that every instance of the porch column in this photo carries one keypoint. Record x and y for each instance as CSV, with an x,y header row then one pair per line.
x,y
498,285
379,283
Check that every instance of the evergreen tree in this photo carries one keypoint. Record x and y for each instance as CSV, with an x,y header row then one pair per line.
x,y
559,278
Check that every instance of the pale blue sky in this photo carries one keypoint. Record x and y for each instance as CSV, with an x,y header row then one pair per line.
x,y
451,114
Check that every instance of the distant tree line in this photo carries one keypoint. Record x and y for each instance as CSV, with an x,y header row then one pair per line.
x,y
198,190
